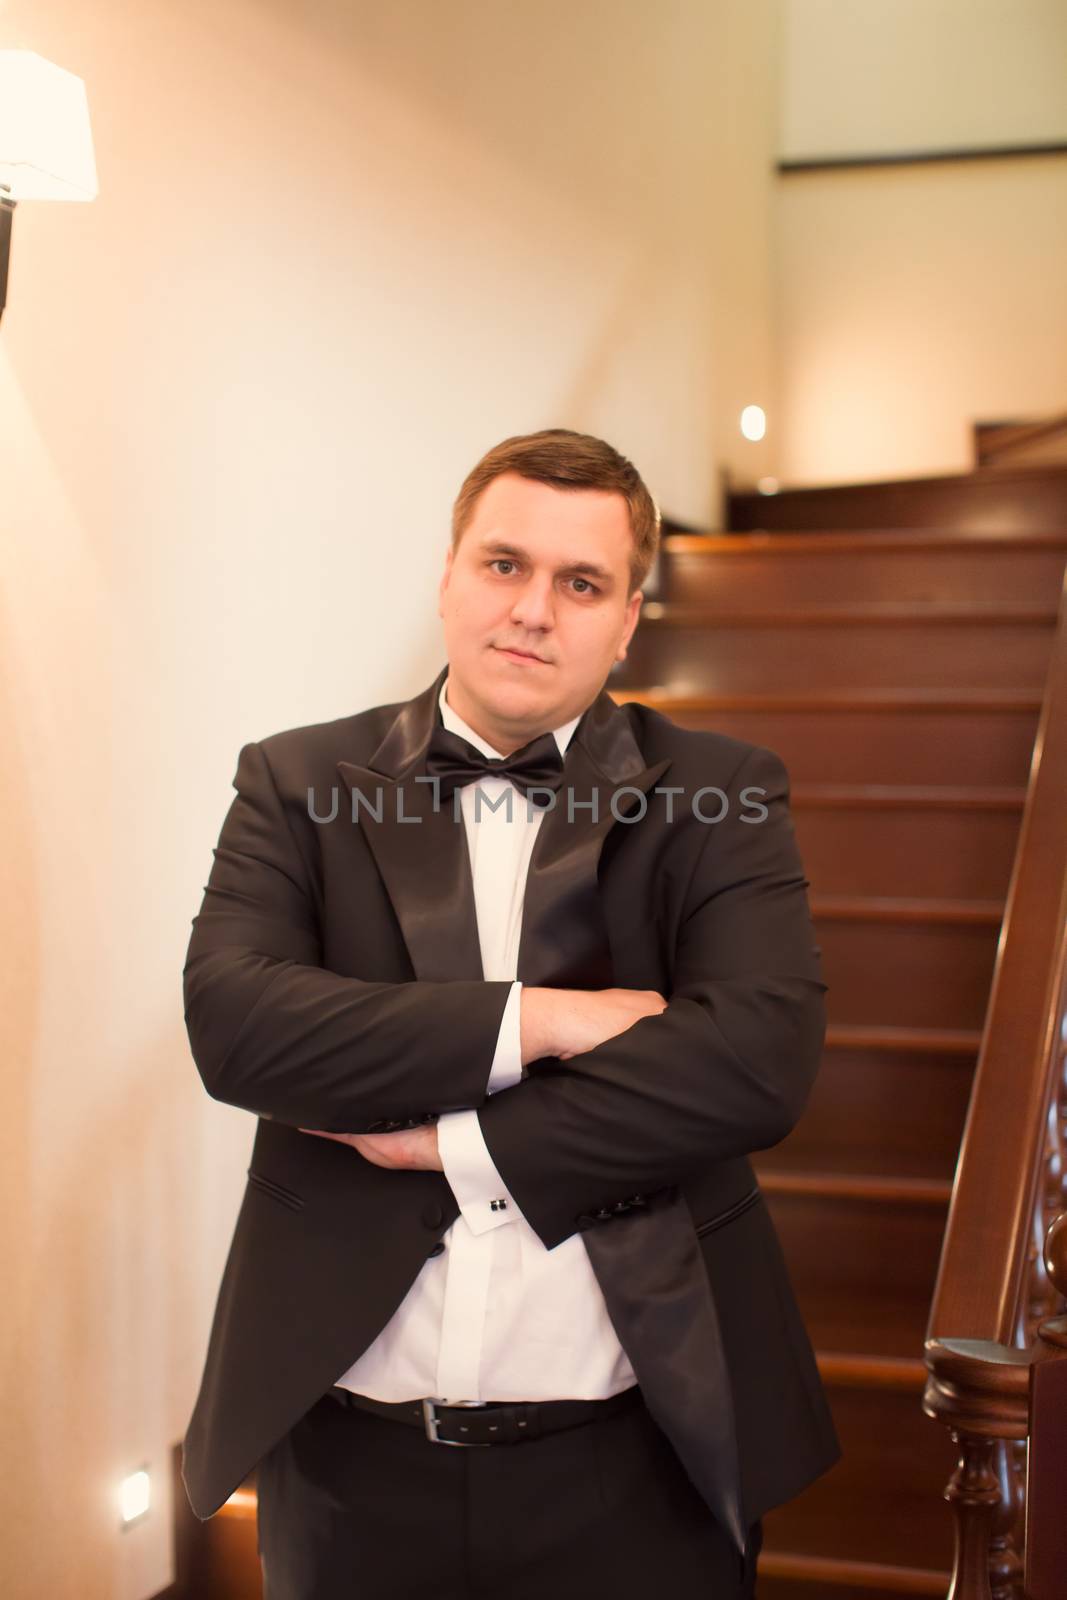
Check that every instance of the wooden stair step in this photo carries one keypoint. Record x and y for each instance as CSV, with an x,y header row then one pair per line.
x,y
884,1498
834,541
913,964
925,1041
918,842
1009,498
928,797
974,736
784,1575
841,1370
870,699
908,909
882,1104
885,1189
660,614
751,570
862,1259
737,654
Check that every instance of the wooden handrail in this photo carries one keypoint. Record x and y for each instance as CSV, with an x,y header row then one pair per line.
x,y
992,1288
1017,1055
993,442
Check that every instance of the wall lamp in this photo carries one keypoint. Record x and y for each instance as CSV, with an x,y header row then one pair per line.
x,y
46,146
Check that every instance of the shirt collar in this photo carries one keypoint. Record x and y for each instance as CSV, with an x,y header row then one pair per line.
x,y
455,724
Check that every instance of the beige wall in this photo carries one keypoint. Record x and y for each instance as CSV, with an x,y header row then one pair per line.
x,y
339,251
885,76
914,301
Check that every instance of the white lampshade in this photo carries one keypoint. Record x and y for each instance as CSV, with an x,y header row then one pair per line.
x,y
46,146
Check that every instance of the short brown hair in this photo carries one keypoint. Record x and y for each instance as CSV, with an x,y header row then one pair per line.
x,y
568,460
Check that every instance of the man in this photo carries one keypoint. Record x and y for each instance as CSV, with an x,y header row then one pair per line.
x,y
515,980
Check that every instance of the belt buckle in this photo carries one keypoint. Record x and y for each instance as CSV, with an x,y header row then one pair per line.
x,y
429,1418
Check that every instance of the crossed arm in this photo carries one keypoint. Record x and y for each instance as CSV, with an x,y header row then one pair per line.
x,y
723,1068
553,1022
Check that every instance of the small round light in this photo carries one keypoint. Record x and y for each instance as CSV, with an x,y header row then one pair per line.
x,y
753,422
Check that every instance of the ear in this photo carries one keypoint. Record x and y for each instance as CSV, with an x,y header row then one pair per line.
x,y
633,612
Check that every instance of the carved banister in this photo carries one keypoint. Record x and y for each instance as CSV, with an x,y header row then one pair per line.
x,y
989,1395
980,1390
979,1387
1046,1519
995,1348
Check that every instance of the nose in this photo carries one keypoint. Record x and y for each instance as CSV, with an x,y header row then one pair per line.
x,y
533,607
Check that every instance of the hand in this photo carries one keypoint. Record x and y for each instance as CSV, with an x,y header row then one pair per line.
x,y
565,1022
410,1149
589,1017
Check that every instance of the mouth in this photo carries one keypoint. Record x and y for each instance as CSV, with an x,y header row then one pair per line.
x,y
520,655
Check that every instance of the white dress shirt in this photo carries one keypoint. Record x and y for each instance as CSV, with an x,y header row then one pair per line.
x,y
495,1316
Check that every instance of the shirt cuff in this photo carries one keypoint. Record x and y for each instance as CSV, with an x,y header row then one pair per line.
x,y
471,1173
507,1060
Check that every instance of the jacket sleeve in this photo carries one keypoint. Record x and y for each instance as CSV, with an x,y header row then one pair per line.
x,y
724,1070
274,1032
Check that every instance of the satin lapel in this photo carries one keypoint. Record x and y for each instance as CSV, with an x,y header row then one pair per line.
x,y
564,940
421,854
647,1262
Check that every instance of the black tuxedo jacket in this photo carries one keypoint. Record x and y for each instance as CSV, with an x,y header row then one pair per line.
x,y
334,981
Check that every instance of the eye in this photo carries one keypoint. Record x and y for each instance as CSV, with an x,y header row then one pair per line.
x,y
505,560
590,588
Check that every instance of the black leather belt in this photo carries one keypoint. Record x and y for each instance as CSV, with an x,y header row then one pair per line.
x,y
479,1422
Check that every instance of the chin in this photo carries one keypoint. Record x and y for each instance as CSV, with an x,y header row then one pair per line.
x,y
514,697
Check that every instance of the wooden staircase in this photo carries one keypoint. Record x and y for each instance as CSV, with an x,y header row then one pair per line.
x,y
899,674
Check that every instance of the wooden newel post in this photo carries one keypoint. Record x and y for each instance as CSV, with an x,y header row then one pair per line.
x,y
979,1391
1005,1564
974,1494
1046,1477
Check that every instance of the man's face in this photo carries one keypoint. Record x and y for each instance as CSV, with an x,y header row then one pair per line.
x,y
545,572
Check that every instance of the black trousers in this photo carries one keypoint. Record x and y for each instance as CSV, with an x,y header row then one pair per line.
x,y
362,1507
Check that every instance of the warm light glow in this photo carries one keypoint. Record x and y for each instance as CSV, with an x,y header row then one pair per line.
x,y
46,146
753,422
134,1495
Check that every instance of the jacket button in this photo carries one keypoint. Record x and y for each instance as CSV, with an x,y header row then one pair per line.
x,y
433,1214
438,1249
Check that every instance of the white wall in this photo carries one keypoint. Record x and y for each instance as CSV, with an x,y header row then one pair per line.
x,y
913,301
889,76
340,250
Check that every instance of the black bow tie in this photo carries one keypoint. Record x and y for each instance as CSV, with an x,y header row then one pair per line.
x,y
452,759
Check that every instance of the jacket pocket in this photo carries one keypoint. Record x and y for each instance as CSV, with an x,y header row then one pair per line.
x,y
277,1191
746,1201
